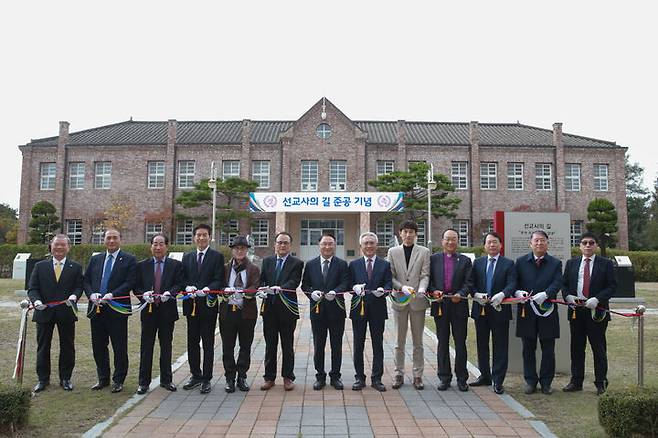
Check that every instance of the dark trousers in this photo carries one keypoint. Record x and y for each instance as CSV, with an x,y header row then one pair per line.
x,y
547,366
165,333
201,328
106,329
273,329
458,324
336,329
359,327
584,328
499,331
233,328
66,331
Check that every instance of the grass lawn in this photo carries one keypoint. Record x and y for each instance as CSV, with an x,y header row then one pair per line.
x,y
56,412
576,414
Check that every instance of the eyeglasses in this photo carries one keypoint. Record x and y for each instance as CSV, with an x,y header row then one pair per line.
x,y
281,242
588,242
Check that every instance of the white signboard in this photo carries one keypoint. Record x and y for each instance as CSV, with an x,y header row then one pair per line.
x,y
20,265
325,201
520,225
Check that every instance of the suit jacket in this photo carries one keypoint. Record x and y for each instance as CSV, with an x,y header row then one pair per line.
x,y
210,276
172,281
338,279
122,278
44,287
374,308
603,283
416,275
291,276
547,278
504,280
461,284
249,308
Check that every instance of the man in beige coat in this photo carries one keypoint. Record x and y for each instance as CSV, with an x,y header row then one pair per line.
x,y
410,265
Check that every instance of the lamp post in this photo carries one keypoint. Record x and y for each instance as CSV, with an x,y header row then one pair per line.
x,y
431,185
212,184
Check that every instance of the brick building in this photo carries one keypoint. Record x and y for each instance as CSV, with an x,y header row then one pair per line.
x,y
146,165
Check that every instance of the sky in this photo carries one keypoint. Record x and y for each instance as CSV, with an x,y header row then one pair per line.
x,y
591,65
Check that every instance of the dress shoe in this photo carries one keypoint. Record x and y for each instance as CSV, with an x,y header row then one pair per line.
x,y
268,384
205,387
498,388
443,385
481,381
192,383
358,385
319,384
572,387
600,389
337,384
169,386
288,384
117,387
398,382
529,389
142,389
230,386
547,390
418,383
100,385
242,384
40,386
67,385
462,386
378,385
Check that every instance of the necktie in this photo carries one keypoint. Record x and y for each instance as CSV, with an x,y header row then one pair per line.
x,y
238,276
106,273
157,280
199,260
490,274
58,270
277,271
586,278
325,268
369,269
538,262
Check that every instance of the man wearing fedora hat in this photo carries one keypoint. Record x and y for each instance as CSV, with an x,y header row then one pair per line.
x,y
238,314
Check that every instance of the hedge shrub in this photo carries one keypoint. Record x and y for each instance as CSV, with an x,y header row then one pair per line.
x,y
14,407
630,412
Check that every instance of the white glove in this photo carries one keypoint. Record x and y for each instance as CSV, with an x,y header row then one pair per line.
x,y
165,297
72,299
229,290
201,293
190,289
94,297
407,290
591,303
262,293
480,298
330,296
539,298
148,297
570,299
520,294
108,296
421,291
275,289
497,299
39,305
316,295
359,289
379,292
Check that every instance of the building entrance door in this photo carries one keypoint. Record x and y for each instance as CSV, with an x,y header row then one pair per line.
x,y
312,230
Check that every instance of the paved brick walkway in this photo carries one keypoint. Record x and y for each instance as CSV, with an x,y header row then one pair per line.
x,y
308,413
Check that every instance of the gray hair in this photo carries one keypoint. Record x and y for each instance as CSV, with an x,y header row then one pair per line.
x,y
60,236
368,234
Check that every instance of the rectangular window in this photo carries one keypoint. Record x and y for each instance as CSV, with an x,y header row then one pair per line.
x,y
98,233
152,230
228,232
576,232
514,176
338,175
420,235
260,172
309,176
461,225
47,173
231,169
385,233
384,167
76,176
459,174
487,227
156,174
184,232
600,177
74,231
260,231
488,176
103,174
572,177
186,169
544,176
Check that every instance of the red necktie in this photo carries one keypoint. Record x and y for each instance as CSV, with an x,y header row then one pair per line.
x,y
369,269
586,279
157,281
538,262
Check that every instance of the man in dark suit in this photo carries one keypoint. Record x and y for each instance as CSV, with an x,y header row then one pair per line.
x,y
450,273
494,279
371,279
540,275
589,282
323,276
238,314
203,271
158,280
109,275
55,279
278,272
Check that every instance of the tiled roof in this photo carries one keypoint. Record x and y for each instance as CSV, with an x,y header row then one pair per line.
x,y
378,132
